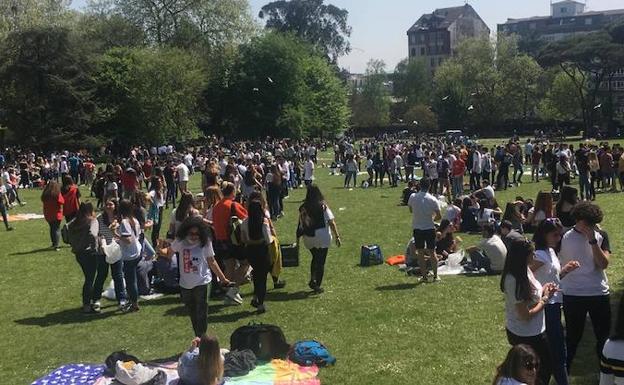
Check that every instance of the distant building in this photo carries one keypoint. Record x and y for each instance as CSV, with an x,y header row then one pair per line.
x,y
435,36
358,81
568,18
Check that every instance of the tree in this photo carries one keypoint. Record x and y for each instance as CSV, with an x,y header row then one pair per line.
x,y
46,89
20,15
281,87
412,81
424,118
371,107
324,26
152,96
450,98
561,101
100,32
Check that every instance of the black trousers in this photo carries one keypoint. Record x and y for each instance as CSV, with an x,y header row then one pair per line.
x,y
539,343
258,257
576,309
196,301
55,232
317,268
95,270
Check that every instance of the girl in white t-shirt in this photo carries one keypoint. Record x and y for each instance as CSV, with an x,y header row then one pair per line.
x,y
519,368
525,299
547,268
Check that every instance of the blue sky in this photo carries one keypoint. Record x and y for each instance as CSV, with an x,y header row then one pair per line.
x,y
379,26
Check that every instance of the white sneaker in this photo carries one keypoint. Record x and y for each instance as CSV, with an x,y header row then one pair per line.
x,y
233,294
230,302
123,304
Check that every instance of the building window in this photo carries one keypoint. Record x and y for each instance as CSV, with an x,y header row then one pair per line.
x,y
564,10
413,53
432,62
532,26
422,38
588,21
422,51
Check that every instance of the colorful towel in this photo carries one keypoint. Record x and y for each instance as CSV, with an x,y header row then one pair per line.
x,y
277,372
24,217
72,374
396,260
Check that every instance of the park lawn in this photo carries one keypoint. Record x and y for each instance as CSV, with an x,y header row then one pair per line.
x,y
381,326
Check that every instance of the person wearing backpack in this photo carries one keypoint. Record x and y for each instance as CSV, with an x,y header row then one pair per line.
x,y
82,232
130,244
315,222
256,236
197,259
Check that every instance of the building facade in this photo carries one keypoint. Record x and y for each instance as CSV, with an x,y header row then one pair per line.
x,y
435,36
567,19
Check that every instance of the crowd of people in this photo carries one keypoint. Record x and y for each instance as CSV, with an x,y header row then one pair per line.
x,y
551,253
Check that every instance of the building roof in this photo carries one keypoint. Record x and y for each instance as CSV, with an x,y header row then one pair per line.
x,y
584,14
566,1
441,18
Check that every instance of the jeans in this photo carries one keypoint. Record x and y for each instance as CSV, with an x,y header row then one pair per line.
x,y
196,302
458,186
118,279
317,267
584,186
258,257
172,194
95,270
143,274
273,197
55,232
517,174
556,340
539,344
348,176
156,227
475,180
130,272
576,309
3,212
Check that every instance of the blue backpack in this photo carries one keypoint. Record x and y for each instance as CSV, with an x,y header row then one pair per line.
x,y
308,353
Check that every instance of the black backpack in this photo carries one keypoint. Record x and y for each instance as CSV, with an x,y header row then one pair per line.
x,y
266,341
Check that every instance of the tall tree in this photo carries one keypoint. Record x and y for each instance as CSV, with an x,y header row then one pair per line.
x,y
19,15
412,81
561,102
46,90
371,107
324,26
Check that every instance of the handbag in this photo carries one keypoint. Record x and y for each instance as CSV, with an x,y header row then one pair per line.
x,y
112,252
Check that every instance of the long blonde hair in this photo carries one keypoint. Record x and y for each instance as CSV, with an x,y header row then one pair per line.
x,y
210,363
212,195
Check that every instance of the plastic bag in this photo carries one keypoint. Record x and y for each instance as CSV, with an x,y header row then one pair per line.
x,y
112,252
454,259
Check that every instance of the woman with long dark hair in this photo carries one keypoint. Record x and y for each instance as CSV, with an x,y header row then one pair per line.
x,y
542,209
525,300
108,222
567,200
202,364
53,210
315,222
274,191
184,210
131,249
547,268
155,211
519,368
256,236
71,198
83,233
196,260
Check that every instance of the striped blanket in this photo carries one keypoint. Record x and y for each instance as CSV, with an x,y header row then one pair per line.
x,y
276,372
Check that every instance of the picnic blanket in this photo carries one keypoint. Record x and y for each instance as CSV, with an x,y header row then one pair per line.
x,y
24,217
276,372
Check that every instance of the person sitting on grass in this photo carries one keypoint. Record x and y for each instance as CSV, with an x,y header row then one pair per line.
x,y
469,210
514,216
488,256
519,368
509,234
446,243
454,213
412,187
202,364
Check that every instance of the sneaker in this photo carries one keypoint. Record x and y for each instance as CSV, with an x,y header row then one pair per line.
x,y
22,203
123,304
319,290
227,301
97,307
254,303
88,309
312,285
436,279
279,284
422,279
238,299
261,309
233,294
9,228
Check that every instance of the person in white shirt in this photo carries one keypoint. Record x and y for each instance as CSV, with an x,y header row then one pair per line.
x,y
188,161
196,257
489,254
476,170
612,362
547,268
525,299
425,208
308,171
586,289
183,177
519,368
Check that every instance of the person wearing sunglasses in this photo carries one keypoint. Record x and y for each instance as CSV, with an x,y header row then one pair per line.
x,y
196,260
586,289
525,300
547,268
519,368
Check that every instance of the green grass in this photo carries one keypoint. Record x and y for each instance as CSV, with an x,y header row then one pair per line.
x,y
381,326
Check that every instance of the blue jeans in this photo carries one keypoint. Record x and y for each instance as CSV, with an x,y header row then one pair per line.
x,y
584,186
458,186
556,340
130,274
117,275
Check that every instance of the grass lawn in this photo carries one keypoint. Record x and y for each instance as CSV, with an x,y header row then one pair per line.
x,y
382,327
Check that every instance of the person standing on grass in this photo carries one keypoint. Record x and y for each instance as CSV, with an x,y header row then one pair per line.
x,y
71,198
458,171
525,300
586,289
315,222
196,261
425,208
547,268
256,236
131,249
53,210
107,226
83,233
4,204
519,368
308,171
183,173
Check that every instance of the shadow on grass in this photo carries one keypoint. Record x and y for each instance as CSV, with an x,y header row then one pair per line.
x,y
285,297
399,286
64,317
36,251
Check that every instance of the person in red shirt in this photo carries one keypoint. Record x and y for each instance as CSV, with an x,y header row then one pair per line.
x,y
458,171
227,254
129,182
53,210
71,198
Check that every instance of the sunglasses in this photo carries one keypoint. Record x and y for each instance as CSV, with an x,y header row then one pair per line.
x,y
530,365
